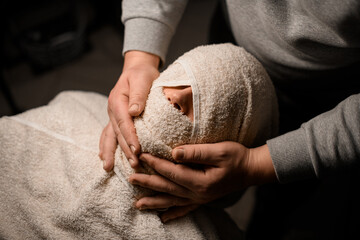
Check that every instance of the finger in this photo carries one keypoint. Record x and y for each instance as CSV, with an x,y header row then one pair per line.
x,y
177,212
108,145
159,184
206,154
122,122
129,150
160,201
138,93
131,157
101,143
177,173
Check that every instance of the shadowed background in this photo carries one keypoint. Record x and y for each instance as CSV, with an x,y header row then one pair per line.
x,y
52,46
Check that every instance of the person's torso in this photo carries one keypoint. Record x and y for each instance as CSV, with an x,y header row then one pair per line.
x,y
311,49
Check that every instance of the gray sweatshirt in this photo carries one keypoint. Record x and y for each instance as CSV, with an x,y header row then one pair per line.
x,y
305,46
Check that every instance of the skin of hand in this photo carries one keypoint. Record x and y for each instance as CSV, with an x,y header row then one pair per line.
x,y
126,100
226,167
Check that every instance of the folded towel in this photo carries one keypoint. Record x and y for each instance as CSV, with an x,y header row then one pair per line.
x,y
53,186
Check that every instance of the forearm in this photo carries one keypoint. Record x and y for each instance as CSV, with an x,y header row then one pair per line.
x,y
150,24
326,144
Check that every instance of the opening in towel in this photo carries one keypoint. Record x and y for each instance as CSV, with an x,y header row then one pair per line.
x,y
181,98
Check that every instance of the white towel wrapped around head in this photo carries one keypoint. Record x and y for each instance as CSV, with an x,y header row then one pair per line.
x,y
233,99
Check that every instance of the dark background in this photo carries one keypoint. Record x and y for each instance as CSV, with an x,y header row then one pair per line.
x,y
51,46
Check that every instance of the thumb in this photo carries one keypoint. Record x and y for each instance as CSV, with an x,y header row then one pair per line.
x,y
206,154
137,101
138,93
176,212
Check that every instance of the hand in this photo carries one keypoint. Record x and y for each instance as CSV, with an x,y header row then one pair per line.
x,y
107,146
225,167
126,100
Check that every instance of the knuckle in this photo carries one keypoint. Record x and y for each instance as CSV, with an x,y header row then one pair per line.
x,y
196,154
199,183
137,96
109,107
120,122
203,190
169,188
179,201
150,179
222,153
145,184
111,99
117,132
149,161
143,203
171,175
108,132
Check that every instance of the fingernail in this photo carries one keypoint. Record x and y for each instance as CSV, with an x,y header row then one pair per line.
x,y
104,164
143,207
132,148
130,181
132,162
179,154
136,206
134,108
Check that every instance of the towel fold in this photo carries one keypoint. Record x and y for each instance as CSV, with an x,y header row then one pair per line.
x,y
53,186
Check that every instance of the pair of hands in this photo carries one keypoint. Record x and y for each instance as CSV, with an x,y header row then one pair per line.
x,y
226,166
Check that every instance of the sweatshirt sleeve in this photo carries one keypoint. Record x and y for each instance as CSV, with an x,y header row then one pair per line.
x,y
150,24
324,145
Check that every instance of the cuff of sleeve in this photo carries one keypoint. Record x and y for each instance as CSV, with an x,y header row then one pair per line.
x,y
147,35
290,156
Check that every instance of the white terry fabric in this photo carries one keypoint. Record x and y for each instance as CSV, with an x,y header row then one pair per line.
x,y
52,181
233,100
53,186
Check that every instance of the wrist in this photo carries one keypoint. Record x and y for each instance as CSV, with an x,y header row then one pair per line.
x,y
137,58
262,166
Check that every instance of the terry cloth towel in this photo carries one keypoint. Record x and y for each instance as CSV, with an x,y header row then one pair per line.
x,y
233,99
52,182
53,186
